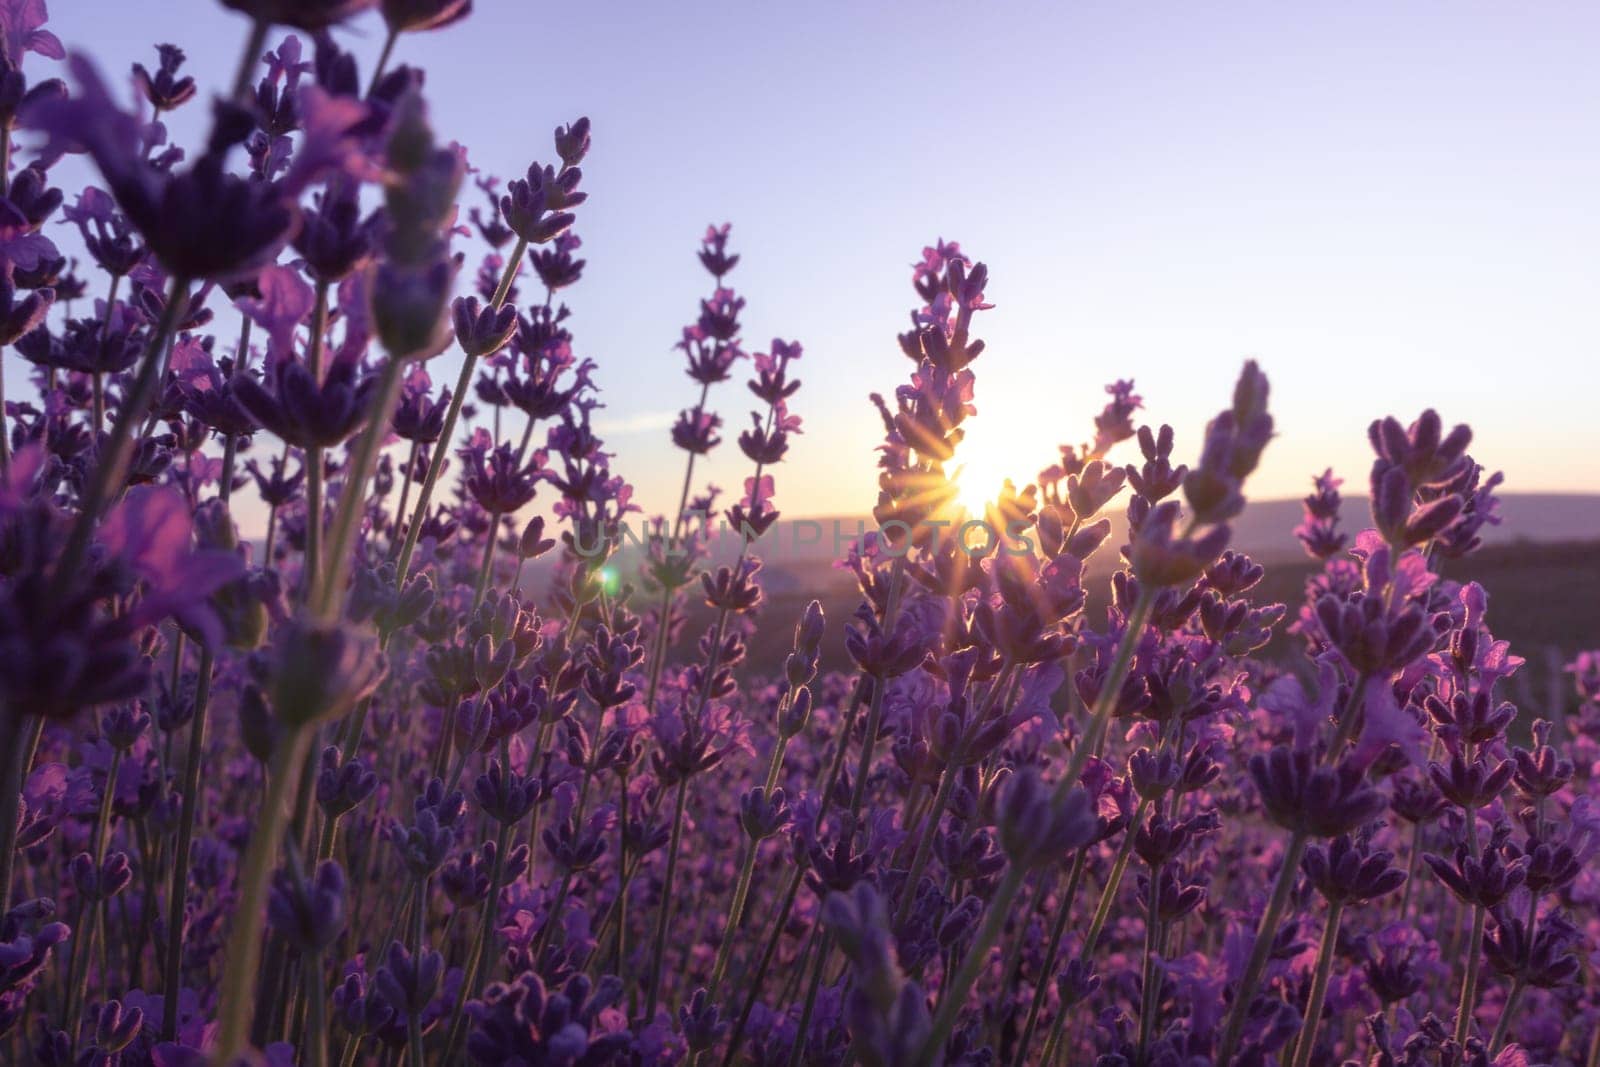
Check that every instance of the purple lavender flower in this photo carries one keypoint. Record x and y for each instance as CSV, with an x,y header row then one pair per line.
x,y
418,16
309,15
201,224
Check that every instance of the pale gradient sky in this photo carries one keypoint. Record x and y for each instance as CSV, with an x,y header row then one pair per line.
x,y
1389,205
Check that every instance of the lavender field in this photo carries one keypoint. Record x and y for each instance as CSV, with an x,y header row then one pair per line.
x,y
358,706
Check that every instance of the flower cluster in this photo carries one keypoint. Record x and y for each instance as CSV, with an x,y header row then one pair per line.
x,y
434,773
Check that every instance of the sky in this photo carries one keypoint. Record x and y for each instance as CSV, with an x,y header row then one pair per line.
x,y
1390,206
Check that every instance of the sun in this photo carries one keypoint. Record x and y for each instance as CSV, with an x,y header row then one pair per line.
x,y
981,470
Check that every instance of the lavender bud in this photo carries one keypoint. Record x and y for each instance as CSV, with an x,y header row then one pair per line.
x,y
481,330
762,815
489,663
319,671
572,142
124,725
310,915
1153,776
1034,829
116,1027
808,632
1299,794
1349,871
699,1023
797,714
533,543
409,982
257,727
341,786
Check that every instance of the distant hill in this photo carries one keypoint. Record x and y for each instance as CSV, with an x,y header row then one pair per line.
x,y
1266,529
1544,598
1541,567
798,552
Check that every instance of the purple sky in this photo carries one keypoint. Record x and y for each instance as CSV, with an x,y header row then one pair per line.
x,y
1390,206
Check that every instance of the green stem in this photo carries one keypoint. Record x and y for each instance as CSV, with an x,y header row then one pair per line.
x,y
5,438
149,863
358,471
658,653
608,921
230,453
869,739
918,799
553,916
1353,707
408,897
774,936
480,944
527,438
88,910
1502,1029
13,772
270,541
177,894
113,465
383,61
747,870
252,55
1319,984
947,781
624,876
1108,892
800,1034
405,496
1411,870
781,916
1005,894
97,406
244,943
1110,690
658,954
313,455
315,1036
688,475
954,997
741,891
776,765
1057,1037
541,742
1266,933
1150,987
1052,950
1469,984
797,967
327,839
463,384
1011,962
419,925
5,159
488,560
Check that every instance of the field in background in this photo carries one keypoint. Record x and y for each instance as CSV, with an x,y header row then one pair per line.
x,y
1543,598
1541,567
